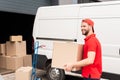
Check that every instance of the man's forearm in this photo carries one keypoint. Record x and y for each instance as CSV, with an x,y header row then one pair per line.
x,y
87,61
82,63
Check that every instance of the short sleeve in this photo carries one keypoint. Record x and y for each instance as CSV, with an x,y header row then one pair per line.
x,y
92,45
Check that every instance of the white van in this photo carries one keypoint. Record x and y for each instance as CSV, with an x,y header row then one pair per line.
x,y
62,23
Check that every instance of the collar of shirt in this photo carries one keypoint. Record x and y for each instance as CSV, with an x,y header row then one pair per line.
x,y
88,37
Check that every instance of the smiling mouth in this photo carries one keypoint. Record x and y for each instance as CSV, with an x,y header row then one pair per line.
x,y
83,30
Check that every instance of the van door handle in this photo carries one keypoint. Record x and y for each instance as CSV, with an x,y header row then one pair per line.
x,y
119,51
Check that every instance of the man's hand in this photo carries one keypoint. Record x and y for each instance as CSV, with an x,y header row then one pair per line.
x,y
68,67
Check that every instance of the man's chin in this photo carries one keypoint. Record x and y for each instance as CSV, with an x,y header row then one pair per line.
x,y
84,34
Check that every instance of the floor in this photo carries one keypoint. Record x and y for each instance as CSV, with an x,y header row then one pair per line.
x,y
11,76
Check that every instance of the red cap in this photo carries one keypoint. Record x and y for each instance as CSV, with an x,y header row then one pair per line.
x,y
88,21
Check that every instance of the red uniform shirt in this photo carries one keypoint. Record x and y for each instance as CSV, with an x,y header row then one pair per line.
x,y
93,70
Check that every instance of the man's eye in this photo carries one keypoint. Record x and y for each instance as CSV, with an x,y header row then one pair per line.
x,y
83,26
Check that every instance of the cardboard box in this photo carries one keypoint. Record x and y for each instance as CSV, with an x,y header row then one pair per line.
x,y
27,60
3,49
2,62
23,73
16,38
14,62
16,48
66,52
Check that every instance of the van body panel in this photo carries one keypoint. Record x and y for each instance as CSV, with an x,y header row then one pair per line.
x,y
100,10
51,29
63,22
111,65
58,12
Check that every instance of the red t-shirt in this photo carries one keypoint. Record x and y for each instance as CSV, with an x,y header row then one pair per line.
x,y
93,70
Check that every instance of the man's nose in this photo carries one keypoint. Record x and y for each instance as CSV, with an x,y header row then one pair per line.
x,y
82,28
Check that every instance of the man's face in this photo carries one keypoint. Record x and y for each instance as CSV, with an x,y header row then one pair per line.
x,y
85,28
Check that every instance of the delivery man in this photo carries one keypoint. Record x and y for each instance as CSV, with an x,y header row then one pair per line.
x,y
92,57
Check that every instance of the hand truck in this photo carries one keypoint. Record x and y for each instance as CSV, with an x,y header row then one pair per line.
x,y
34,62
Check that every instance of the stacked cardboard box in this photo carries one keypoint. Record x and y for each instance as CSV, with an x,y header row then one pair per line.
x,y
2,62
16,48
14,62
2,49
16,38
23,73
13,53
